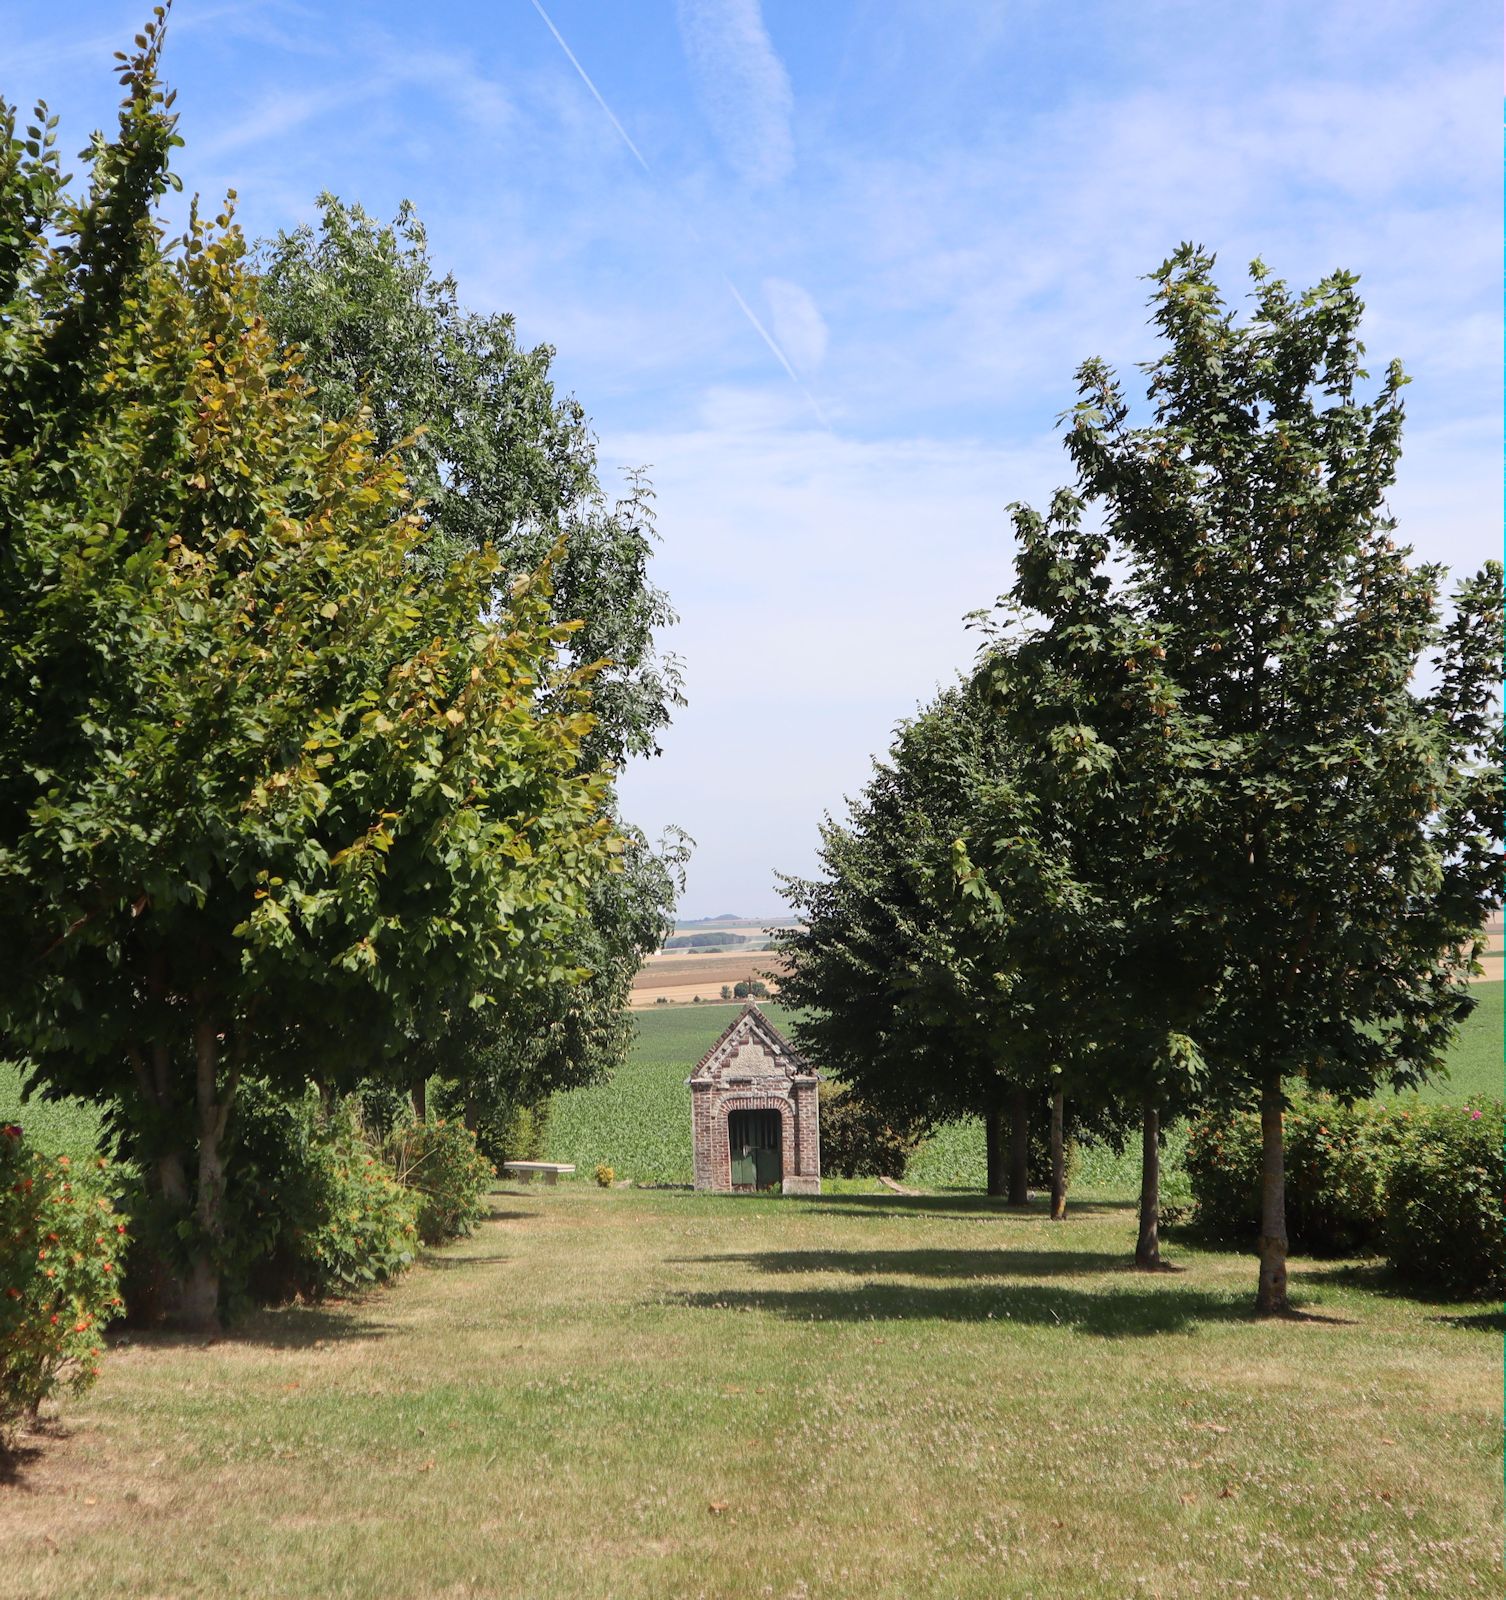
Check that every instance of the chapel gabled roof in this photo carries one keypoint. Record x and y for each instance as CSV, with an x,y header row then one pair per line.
x,y
751,1023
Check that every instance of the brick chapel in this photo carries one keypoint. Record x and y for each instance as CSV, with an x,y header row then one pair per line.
x,y
753,1112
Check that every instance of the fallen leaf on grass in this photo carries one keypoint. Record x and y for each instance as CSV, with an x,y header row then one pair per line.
x,y
731,1388
1187,1499
717,1507
1226,1493
428,1466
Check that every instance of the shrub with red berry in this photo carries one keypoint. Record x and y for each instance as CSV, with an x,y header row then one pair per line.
x,y
60,1249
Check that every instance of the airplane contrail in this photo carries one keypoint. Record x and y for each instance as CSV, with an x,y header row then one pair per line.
x,y
747,310
585,78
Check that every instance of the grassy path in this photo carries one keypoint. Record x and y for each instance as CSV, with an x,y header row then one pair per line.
x,y
646,1394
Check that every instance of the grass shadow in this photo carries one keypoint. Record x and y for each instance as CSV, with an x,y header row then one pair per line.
x,y
1131,1313
290,1327
947,1205
963,1264
1478,1321
1377,1277
16,1456
455,1263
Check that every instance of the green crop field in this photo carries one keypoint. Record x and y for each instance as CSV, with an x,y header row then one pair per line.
x,y
639,1124
1474,1063
65,1127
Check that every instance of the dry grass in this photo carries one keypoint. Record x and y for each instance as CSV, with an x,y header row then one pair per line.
x,y
636,1394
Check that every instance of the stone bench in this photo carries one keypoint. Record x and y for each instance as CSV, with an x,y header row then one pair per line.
x,y
525,1170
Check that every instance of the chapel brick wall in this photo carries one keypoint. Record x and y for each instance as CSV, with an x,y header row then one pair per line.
x,y
753,1077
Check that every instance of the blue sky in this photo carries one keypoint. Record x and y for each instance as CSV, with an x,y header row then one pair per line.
x,y
934,211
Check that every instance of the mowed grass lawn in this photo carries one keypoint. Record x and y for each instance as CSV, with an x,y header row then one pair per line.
x,y
635,1393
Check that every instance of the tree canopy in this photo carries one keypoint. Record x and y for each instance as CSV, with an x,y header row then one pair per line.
x,y
269,795
495,458
1335,826
499,462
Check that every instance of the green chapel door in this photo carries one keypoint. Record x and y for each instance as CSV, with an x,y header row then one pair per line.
x,y
744,1166
754,1140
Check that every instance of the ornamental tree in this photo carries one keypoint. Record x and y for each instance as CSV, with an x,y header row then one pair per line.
x,y
1335,781
267,801
933,1002
497,460
1058,875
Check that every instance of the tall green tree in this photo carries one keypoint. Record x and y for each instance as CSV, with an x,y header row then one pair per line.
x,y
935,1001
494,456
266,798
497,460
1078,679
497,1060
1339,825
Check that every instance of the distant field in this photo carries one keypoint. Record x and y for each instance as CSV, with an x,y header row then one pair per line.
x,y
680,976
1474,1063
640,1122
732,924
65,1127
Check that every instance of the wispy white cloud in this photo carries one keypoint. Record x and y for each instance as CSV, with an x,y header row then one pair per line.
x,y
798,324
387,70
280,112
741,85
754,320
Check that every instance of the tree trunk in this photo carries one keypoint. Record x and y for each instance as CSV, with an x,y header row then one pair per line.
x,y
156,1282
993,1140
1058,1158
1271,1300
200,1305
1019,1148
1148,1245
421,1098
172,1182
